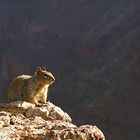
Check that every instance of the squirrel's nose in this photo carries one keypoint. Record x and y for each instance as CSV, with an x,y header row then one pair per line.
x,y
53,78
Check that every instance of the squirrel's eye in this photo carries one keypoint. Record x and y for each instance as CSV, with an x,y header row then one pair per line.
x,y
45,75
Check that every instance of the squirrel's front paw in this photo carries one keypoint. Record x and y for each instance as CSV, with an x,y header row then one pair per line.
x,y
39,104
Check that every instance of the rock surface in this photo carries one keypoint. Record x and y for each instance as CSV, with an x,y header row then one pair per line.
x,y
22,120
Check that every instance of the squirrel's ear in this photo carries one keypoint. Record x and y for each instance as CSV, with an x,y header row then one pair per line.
x,y
43,68
38,69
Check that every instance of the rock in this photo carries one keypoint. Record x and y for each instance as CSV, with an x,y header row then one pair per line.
x,y
47,111
91,131
22,120
4,119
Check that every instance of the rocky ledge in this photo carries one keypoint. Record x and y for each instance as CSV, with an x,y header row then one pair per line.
x,y
24,121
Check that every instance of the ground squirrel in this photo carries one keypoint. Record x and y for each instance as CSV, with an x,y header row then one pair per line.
x,y
33,89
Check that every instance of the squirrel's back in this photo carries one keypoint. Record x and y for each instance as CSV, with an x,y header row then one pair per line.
x,y
18,86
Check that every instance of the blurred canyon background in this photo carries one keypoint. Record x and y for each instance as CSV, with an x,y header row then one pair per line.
x,y
93,49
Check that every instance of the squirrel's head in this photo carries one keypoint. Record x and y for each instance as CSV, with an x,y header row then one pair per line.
x,y
44,75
